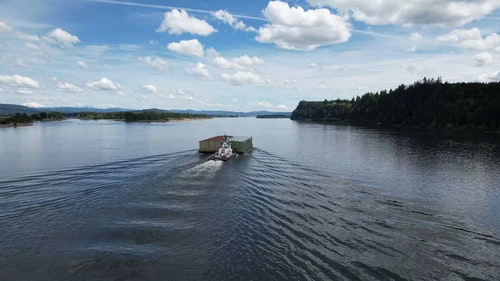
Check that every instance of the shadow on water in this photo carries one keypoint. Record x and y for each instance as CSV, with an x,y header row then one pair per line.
x,y
258,216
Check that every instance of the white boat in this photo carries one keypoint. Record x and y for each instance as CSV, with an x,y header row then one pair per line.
x,y
225,151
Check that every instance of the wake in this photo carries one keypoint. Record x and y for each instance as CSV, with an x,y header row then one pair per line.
x,y
205,170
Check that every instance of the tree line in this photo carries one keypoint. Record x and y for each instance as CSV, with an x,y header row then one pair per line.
x,y
138,116
128,116
23,118
428,103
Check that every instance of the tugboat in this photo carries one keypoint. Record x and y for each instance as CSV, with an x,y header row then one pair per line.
x,y
225,151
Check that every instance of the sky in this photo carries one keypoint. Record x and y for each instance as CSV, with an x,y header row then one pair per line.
x,y
237,55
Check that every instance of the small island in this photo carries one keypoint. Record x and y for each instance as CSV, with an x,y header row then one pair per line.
x,y
23,119
151,115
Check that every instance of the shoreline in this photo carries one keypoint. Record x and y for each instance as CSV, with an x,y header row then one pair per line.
x,y
12,125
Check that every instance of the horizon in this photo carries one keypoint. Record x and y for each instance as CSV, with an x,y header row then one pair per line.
x,y
243,57
145,109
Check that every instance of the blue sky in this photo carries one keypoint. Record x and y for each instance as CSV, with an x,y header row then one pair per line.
x,y
237,55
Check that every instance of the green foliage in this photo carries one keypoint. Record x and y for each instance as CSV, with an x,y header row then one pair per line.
x,y
139,116
427,104
23,118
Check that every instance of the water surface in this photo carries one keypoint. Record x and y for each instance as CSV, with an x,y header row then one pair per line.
x,y
106,200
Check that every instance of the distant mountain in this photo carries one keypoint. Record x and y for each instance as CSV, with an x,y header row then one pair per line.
x,y
8,109
229,113
84,109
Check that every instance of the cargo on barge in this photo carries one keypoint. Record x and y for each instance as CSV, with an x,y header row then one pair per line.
x,y
238,144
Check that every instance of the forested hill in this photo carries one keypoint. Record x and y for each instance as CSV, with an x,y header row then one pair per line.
x,y
427,104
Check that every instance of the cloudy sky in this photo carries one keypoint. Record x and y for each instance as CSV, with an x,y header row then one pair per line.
x,y
237,55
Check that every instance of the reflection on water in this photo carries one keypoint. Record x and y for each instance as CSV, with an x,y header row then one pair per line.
x,y
331,203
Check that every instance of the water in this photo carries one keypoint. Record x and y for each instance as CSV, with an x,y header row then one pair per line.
x,y
105,200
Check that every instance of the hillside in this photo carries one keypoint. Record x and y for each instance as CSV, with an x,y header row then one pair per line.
x,y
425,104
11,109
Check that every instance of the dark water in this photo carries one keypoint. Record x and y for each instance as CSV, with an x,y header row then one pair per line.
x,y
114,201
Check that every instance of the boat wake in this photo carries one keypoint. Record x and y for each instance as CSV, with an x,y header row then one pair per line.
x,y
202,171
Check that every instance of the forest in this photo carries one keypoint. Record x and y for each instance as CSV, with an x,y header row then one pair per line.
x,y
428,103
139,116
127,116
23,118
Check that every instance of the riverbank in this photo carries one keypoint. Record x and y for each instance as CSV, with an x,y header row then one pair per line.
x,y
11,125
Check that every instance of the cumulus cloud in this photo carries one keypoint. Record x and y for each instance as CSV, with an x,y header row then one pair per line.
x,y
185,95
17,80
239,63
187,47
62,37
32,104
178,22
471,39
104,84
82,64
451,13
68,87
493,76
150,88
416,36
242,77
5,27
483,59
227,18
293,28
24,91
265,104
155,62
201,71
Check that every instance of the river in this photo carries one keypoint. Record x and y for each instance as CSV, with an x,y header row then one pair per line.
x,y
108,200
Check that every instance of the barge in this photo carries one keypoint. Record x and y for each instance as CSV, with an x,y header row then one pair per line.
x,y
225,147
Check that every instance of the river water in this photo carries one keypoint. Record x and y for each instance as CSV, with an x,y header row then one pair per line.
x,y
107,200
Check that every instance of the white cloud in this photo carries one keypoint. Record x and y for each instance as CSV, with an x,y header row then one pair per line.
x,y
227,18
265,104
5,27
200,71
416,36
32,46
155,62
494,76
178,22
82,64
282,106
242,77
104,84
32,104
187,47
68,86
64,38
293,28
185,95
24,92
239,63
451,13
150,88
471,39
483,59
17,80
